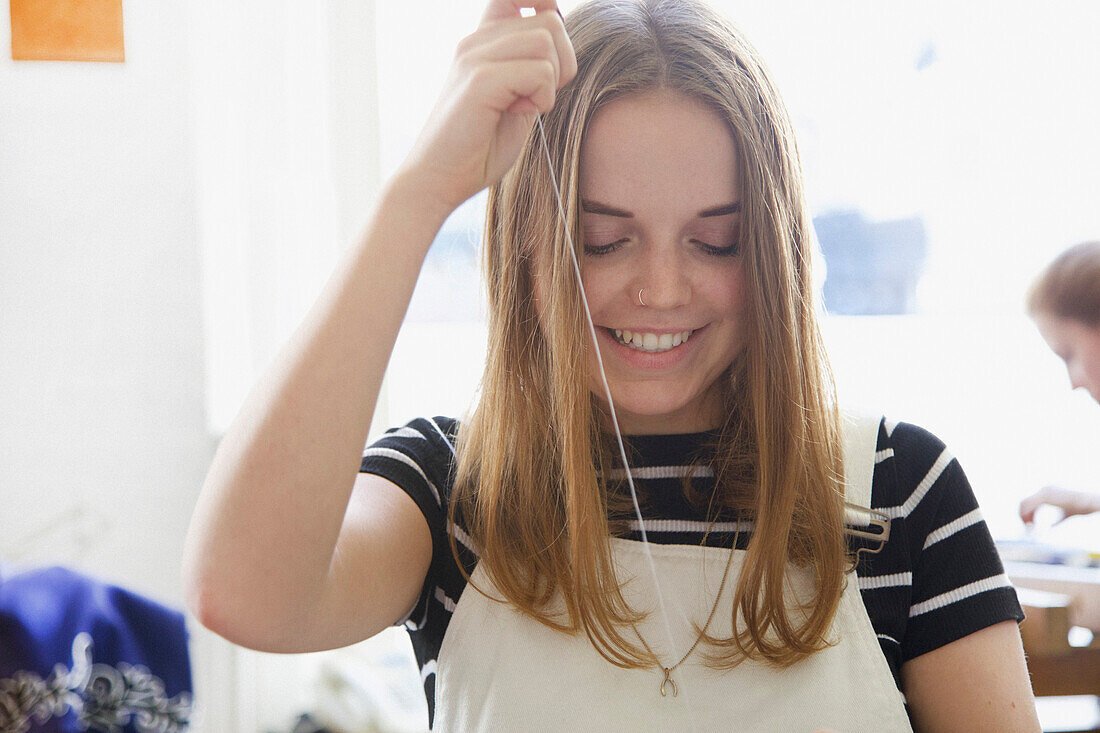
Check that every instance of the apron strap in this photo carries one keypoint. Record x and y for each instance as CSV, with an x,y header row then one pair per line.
x,y
859,433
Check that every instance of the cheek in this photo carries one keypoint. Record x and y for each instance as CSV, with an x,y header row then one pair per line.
x,y
601,285
725,290
729,298
1092,365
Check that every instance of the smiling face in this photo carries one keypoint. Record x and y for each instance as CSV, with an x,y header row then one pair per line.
x,y
660,199
1078,345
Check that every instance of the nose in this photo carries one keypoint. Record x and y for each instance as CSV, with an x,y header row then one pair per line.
x,y
664,277
1079,379
1075,376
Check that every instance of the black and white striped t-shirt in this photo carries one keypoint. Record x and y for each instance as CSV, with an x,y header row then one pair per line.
x,y
938,579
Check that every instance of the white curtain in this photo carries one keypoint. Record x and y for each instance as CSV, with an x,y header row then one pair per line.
x,y
285,114
286,129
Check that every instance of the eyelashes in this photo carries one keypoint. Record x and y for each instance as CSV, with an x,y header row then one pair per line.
x,y
606,249
727,251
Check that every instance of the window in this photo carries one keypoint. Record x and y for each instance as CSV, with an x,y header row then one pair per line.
x,y
950,151
949,155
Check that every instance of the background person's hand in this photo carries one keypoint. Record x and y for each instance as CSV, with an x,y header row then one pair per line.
x,y
1070,501
503,75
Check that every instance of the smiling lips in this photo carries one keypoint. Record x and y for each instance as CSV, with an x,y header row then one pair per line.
x,y
651,343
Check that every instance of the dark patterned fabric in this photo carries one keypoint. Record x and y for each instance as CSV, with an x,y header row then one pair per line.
x,y
80,655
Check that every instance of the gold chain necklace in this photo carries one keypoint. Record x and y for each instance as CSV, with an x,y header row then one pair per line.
x,y
667,671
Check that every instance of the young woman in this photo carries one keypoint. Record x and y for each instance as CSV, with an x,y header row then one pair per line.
x,y
546,585
1064,301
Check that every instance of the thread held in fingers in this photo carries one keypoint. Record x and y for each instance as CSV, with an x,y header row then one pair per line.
x,y
606,386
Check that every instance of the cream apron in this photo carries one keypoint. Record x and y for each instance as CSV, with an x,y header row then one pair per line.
x,y
499,670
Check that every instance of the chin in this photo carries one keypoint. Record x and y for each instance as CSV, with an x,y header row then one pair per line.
x,y
661,416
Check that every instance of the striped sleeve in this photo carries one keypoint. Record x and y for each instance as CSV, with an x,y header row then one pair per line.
x,y
418,457
958,582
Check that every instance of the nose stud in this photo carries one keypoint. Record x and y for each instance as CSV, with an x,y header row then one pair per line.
x,y
640,301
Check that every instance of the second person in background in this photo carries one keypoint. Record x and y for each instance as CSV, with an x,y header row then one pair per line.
x,y
1064,301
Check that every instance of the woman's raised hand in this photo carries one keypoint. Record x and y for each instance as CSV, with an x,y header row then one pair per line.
x,y
503,74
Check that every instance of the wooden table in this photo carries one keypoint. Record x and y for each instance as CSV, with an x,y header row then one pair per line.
x,y
1055,598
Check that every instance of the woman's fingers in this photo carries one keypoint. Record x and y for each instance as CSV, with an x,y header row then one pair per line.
x,y
497,9
567,60
503,73
498,45
530,44
539,36
511,81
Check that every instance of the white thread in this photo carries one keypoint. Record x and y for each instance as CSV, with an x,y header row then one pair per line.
x,y
607,387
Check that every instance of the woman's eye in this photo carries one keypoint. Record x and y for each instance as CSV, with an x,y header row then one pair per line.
x,y
603,249
710,249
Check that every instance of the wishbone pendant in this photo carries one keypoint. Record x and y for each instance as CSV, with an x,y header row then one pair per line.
x,y
668,681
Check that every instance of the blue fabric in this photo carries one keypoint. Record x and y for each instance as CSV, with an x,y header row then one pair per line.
x,y
77,654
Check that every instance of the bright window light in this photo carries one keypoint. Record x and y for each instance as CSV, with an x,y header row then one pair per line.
x,y
954,143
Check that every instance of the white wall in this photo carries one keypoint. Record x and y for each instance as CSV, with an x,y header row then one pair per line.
x,y
119,273
286,141
101,380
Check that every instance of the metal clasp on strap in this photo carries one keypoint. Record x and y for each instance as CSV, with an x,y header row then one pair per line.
x,y
858,519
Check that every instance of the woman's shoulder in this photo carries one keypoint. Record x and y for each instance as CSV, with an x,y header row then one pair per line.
x,y
919,484
426,427
912,463
420,436
908,440
417,455
941,557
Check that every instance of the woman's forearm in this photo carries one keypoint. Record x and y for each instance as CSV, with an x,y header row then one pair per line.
x,y
265,528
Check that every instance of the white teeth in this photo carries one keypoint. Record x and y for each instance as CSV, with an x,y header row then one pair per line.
x,y
651,342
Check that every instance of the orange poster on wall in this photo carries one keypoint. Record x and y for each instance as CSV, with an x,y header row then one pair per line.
x,y
67,30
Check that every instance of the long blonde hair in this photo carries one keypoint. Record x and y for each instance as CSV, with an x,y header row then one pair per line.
x,y
531,456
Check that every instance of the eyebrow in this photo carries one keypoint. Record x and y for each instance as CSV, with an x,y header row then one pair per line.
x,y
595,207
